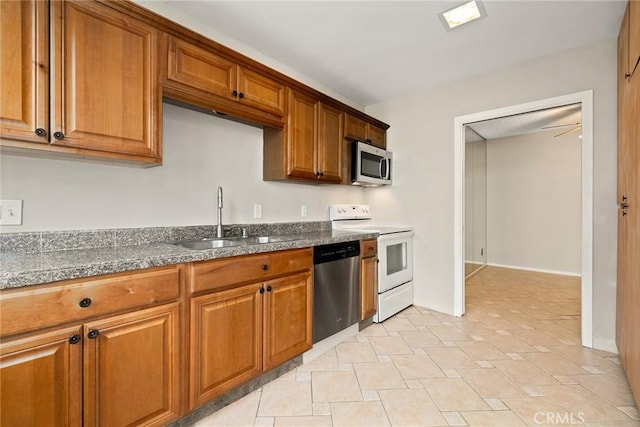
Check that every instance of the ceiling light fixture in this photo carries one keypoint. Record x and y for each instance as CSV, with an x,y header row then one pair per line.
x,y
462,14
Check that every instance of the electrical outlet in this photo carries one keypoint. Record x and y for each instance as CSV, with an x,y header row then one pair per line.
x,y
303,211
257,211
10,212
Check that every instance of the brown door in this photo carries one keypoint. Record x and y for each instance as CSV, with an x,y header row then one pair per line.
x,y
377,136
634,36
288,313
201,69
131,373
628,281
259,91
104,86
368,287
226,341
301,136
24,67
355,128
329,143
41,380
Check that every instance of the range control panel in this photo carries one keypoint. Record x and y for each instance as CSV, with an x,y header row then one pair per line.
x,y
346,212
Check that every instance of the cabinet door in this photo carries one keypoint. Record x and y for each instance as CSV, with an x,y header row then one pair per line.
x,y
634,37
226,341
24,67
201,69
368,287
355,128
329,143
41,380
259,91
301,161
105,92
377,136
131,372
288,313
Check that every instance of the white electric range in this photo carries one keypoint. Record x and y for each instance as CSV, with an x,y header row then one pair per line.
x,y
395,255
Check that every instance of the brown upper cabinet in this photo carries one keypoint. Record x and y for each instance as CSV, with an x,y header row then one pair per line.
x,y
94,92
629,41
360,130
309,147
211,80
634,36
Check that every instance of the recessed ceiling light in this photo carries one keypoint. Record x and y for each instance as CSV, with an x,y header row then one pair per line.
x,y
462,14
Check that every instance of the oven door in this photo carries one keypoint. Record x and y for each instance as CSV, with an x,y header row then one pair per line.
x,y
395,252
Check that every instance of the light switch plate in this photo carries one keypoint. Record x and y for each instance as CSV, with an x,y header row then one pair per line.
x,y
303,211
10,212
257,211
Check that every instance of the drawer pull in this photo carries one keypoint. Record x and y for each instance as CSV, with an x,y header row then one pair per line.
x,y
74,339
93,334
265,267
85,302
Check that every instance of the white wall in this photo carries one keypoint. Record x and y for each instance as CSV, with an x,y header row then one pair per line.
x,y
533,202
201,152
421,137
171,10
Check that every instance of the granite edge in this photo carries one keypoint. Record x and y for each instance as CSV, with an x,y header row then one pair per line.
x,y
44,274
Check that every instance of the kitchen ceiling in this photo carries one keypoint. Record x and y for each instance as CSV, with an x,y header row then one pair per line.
x,y
372,51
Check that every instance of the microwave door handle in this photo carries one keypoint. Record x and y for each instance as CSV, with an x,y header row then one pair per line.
x,y
380,168
384,172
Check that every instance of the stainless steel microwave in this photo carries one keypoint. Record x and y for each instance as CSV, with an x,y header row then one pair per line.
x,y
370,166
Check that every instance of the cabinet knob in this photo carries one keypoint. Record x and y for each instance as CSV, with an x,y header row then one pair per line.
x,y
93,334
58,135
627,75
85,302
265,267
241,95
269,288
74,339
41,132
262,290
234,92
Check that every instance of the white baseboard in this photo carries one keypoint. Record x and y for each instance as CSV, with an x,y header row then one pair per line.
x,y
328,343
538,270
605,344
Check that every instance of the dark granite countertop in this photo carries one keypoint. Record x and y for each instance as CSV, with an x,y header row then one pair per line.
x,y
26,269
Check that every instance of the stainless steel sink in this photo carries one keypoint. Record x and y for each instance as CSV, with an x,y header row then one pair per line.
x,y
231,241
267,239
208,243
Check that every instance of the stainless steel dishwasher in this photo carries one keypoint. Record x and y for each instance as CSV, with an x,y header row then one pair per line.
x,y
336,288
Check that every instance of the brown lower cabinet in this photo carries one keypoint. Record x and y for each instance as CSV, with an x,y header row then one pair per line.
x,y
114,350
368,279
113,370
243,328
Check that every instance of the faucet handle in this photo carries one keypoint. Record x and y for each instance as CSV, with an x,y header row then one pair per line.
x,y
244,232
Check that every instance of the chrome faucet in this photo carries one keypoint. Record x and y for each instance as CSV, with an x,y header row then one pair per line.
x,y
219,231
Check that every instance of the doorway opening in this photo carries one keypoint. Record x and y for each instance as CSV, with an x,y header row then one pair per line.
x,y
462,199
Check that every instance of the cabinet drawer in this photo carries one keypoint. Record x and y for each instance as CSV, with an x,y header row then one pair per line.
x,y
48,305
369,248
223,273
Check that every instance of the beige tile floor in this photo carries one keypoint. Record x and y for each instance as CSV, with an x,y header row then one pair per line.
x,y
514,359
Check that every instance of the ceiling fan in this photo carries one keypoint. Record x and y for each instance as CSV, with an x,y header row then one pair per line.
x,y
575,127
